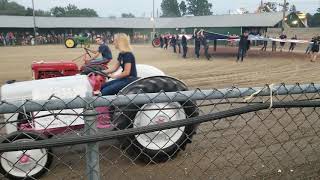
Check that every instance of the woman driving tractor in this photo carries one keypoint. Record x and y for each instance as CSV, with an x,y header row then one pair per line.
x,y
126,61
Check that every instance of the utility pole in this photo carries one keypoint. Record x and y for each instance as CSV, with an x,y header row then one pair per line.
x,y
34,22
284,9
153,21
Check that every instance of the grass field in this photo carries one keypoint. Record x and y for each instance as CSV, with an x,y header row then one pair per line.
x,y
248,143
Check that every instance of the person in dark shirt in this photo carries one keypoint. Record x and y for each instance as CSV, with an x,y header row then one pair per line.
x,y
243,46
178,43
292,44
197,43
184,44
173,43
274,46
265,44
205,45
126,60
161,41
103,51
166,42
315,49
282,37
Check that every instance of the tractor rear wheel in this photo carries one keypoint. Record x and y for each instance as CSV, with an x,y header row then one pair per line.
x,y
159,146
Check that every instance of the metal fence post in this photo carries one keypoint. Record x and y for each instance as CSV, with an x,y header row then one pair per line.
x,y
92,149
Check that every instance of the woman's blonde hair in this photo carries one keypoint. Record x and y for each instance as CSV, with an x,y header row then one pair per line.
x,y
122,42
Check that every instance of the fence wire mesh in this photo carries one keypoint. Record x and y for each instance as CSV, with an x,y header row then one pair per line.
x,y
200,134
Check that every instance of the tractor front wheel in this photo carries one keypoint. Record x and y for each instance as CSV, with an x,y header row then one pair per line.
x,y
25,164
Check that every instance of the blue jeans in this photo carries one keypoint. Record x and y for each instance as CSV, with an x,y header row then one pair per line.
x,y
113,87
241,53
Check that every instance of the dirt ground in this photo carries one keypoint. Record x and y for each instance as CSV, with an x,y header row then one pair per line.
x,y
228,149
258,68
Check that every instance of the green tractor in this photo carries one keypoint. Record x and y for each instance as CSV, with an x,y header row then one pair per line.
x,y
72,42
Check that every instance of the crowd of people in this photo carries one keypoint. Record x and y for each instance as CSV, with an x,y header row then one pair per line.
x,y
27,38
244,43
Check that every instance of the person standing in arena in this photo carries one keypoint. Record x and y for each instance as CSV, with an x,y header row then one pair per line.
x,y
243,46
205,45
161,41
315,49
283,37
197,43
173,43
293,44
274,46
265,44
166,42
184,44
178,43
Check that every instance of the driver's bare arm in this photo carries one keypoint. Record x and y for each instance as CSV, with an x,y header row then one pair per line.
x,y
96,55
113,69
126,72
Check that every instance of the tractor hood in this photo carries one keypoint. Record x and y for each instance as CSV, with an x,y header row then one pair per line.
x,y
62,87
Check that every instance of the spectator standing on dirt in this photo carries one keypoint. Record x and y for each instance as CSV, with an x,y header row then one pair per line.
x,y
205,45
283,37
161,41
173,43
166,42
103,51
309,47
274,46
178,43
126,60
293,44
265,44
215,45
197,43
243,46
184,44
315,49
2,39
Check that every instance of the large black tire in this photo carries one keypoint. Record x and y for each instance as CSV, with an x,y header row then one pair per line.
x,y
70,43
23,136
126,118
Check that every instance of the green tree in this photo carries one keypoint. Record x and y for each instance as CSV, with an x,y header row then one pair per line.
x,y
170,8
315,21
11,8
73,11
58,11
183,8
199,7
127,15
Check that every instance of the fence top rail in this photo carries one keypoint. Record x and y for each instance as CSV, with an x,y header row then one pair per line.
x,y
120,100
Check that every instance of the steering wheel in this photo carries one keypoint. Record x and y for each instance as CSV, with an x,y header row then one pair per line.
x,y
93,70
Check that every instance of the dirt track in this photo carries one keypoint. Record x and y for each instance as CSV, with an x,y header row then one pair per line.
x,y
257,70
217,147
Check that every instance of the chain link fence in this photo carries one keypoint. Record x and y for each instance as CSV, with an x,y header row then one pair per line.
x,y
270,132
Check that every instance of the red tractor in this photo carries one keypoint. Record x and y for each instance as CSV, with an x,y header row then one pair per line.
x,y
61,79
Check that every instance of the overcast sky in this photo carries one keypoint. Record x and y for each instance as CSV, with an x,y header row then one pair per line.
x,y
140,8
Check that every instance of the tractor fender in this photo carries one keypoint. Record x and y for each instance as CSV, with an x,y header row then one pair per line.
x,y
140,81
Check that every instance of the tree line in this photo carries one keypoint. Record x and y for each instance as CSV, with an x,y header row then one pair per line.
x,y
171,8
13,8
